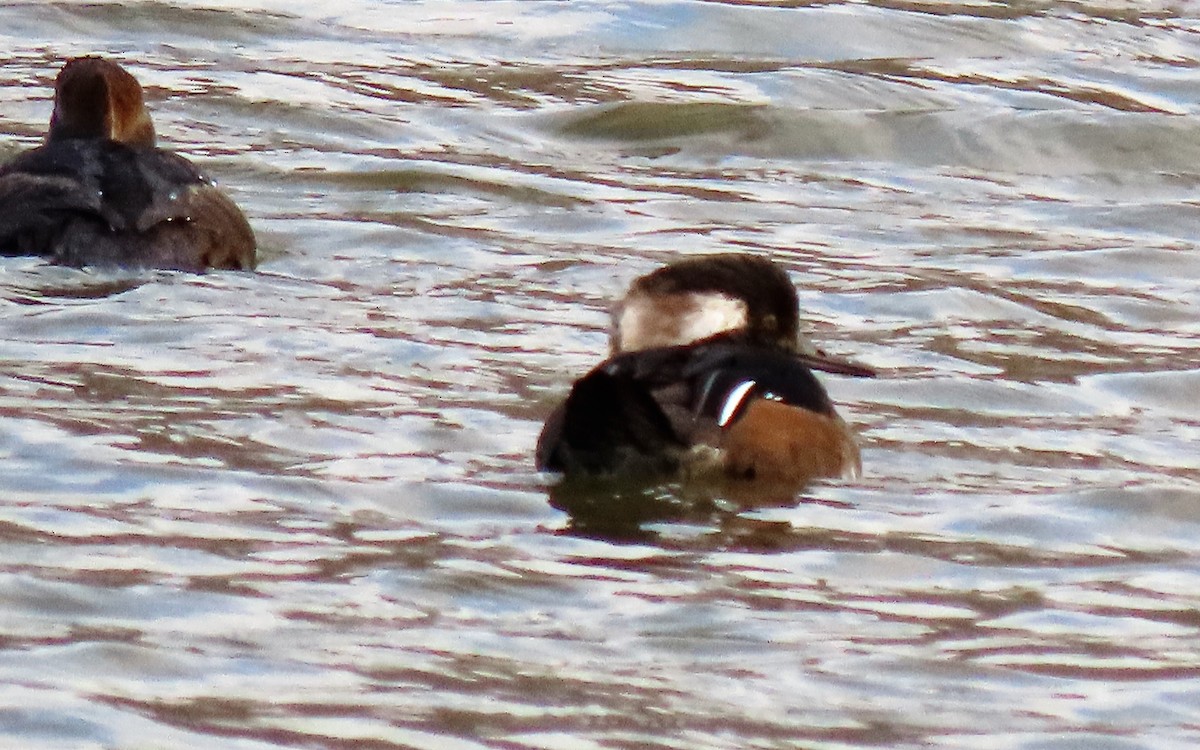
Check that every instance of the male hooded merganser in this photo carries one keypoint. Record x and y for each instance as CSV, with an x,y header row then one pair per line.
x,y
708,371
98,191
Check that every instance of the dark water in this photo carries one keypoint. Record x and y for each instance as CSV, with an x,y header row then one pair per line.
x,y
296,508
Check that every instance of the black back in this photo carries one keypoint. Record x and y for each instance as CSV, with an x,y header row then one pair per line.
x,y
101,202
640,411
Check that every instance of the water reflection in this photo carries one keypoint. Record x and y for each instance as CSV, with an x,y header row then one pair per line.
x,y
627,510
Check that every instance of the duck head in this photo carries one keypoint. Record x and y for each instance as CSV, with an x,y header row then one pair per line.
x,y
733,294
96,98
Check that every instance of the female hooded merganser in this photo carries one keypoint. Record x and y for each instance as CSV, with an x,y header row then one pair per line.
x,y
98,191
709,371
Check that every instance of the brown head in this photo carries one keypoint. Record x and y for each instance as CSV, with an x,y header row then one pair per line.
x,y
96,98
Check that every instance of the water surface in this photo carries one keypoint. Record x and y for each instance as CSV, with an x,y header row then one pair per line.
x,y
296,508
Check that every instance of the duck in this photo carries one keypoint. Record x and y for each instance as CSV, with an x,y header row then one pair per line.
x,y
99,191
708,376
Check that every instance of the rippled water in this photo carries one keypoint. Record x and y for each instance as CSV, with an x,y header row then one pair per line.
x,y
296,508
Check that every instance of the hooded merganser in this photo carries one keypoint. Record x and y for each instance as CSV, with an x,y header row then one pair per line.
x,y
708,371
98,191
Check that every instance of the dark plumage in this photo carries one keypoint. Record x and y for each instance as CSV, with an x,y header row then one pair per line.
x,y
742,401
99,193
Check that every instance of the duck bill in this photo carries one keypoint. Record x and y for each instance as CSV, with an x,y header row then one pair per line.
x,y
821,361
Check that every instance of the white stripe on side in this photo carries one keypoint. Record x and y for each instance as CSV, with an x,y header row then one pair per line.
x,y
734,401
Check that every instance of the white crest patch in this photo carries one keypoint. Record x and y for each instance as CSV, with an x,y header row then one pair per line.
x,y
629,324
713,313
646,321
